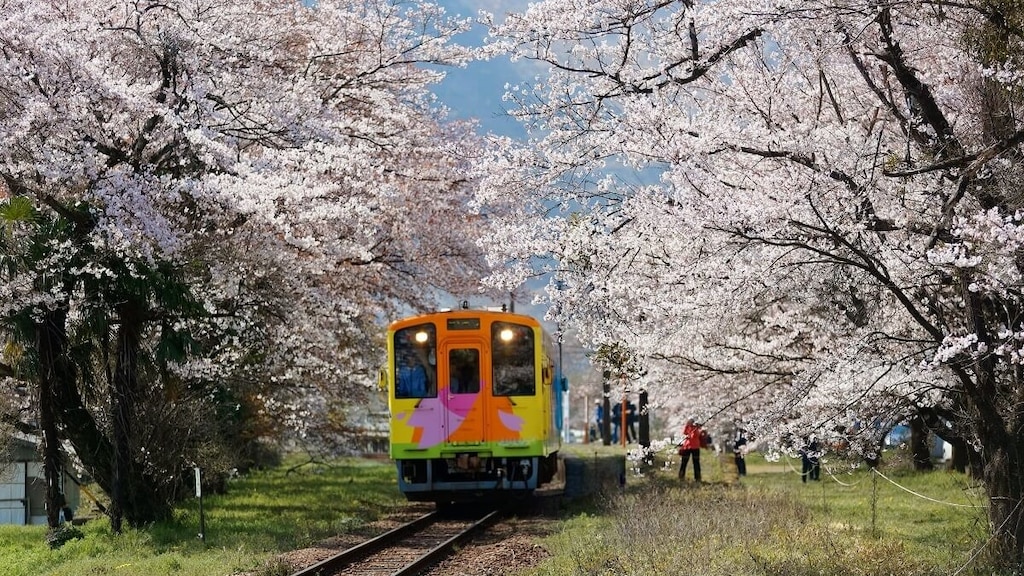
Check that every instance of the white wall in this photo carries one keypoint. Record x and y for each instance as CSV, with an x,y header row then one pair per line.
x,y
12,493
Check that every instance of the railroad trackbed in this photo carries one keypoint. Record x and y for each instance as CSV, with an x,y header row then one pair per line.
x,y
408,549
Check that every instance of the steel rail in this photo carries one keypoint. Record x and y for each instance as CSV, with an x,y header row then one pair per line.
x,y
434,555
358,551
364,557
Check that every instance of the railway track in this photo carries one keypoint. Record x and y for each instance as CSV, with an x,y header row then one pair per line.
x,y
407,550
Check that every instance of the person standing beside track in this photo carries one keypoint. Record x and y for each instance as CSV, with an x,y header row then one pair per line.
x,y
616,421
810,460
739,451
690,448
598,419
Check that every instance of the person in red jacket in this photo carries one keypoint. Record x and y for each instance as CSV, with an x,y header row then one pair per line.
x,y
690,446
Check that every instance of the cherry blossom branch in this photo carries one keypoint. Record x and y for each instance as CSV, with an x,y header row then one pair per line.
x,y
859,260
918,91
994,17
971,162
699,366
700,70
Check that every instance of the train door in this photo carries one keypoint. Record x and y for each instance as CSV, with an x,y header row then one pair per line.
x,y
466,416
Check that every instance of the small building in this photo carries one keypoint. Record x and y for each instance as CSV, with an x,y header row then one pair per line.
x,y
940,450
22,483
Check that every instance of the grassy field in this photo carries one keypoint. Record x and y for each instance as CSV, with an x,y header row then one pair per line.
x,y
261,515
767,523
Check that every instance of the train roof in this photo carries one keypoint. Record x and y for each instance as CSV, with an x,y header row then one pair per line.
x,y
466,313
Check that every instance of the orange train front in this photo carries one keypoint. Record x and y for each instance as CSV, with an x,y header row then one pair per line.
x,y
475,409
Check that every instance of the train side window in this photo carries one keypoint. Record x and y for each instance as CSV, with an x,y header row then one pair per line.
x,y
464,371
513,360
415,362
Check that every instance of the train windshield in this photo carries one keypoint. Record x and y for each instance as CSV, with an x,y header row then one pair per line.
x,y
416,362
512,348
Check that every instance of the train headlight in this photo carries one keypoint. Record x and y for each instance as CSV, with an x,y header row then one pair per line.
x,y
506,335
422,336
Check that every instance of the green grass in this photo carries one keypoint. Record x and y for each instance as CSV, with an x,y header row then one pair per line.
x,y
262,514
935,518
766,523
771,523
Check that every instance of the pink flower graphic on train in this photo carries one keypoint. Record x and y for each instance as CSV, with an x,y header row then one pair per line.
x,y
428,419
439,419
460,404
511,421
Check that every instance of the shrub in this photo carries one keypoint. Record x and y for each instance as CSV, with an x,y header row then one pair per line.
x,y
57,537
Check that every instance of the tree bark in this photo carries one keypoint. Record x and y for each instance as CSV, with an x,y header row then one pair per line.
x,y
1004,489
997,421
959,460
127,495
645,427
920,448
114,471
51,342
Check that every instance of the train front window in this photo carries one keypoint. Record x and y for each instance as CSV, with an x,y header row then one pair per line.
x,y
512,349
416,362
464,371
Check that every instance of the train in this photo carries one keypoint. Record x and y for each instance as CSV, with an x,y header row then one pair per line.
x,y
475,405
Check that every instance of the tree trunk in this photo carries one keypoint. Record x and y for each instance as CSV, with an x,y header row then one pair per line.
x,y
1003,485
645,427
80,429
148,502
994,392
123,386
920,448
51,343
998,426
958,462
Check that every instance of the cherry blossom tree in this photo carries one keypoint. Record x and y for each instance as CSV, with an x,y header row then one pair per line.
x,y
209,207
802,215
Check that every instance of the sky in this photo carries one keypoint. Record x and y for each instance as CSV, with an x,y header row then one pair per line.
x,y
476,92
